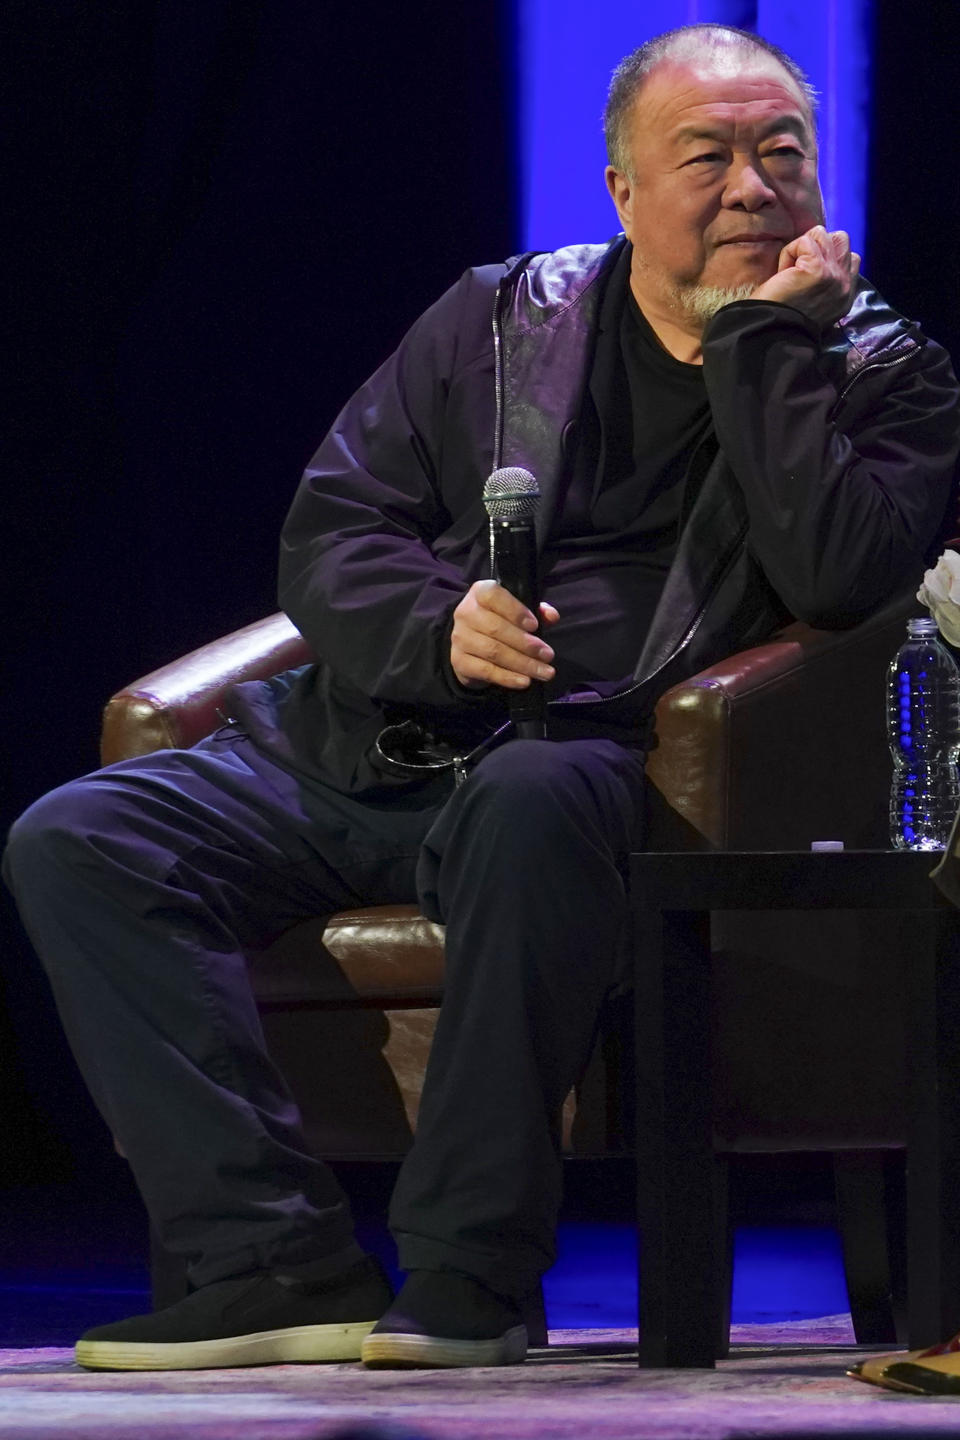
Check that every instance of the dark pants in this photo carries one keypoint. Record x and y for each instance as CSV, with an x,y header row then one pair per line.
x,y
143,885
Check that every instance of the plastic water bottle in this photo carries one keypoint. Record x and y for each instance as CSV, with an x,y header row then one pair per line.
x,y
923,727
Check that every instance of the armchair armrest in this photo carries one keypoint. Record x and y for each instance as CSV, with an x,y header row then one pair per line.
x,y
779,745
774,747
177,705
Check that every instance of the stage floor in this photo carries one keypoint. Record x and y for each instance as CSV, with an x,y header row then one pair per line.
x,y
586,1384
62,1270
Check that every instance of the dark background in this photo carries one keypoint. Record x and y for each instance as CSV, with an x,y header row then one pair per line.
x,y
225,214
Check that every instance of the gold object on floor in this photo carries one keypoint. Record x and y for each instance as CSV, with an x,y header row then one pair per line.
x,y
933,1371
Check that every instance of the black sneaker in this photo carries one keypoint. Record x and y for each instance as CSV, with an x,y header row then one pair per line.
x,y
443,1318
260,1319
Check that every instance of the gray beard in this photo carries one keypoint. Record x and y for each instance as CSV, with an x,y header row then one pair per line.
x,y
701,302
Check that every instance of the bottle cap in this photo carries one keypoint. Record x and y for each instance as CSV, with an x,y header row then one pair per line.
x,y
826,845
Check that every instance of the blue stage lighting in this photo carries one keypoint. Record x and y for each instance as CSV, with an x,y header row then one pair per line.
x,y
565,55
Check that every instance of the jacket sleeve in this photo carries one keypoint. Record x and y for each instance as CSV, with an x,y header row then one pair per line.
x,y
358,576
844,498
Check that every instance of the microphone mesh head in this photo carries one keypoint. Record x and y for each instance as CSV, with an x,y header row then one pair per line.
x,y
511,494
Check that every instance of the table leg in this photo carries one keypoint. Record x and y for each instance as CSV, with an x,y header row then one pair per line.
x,y
933,1133
679,1266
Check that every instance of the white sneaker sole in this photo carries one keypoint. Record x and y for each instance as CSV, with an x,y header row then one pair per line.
x,y
397,1352
299,1344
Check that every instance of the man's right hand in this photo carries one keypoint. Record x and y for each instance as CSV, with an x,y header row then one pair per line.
x,y
816,274
493,640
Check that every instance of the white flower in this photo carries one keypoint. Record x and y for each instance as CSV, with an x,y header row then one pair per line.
x,y
940,592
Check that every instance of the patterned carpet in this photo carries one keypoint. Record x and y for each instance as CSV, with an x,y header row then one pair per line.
x,y
778,1382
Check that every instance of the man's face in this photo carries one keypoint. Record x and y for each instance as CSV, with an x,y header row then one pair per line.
x,y
723,175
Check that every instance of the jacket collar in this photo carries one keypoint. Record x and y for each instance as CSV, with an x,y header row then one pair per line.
x,y
545,326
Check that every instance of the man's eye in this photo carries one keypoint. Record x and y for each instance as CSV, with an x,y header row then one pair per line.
x,y
789,151
707,158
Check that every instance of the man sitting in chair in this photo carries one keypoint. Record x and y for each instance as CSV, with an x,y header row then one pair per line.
x,y
729,428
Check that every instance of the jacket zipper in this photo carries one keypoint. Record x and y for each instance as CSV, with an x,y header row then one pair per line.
x,y
865,369
518,264
678,648
498,422
498,377
695,624
497,457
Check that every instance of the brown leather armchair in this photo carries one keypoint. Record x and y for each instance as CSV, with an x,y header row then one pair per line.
x,y
776,747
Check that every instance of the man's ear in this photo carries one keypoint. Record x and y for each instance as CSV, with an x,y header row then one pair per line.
x,y
621,193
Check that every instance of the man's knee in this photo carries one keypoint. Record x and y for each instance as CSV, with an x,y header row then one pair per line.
x,y
54,833
530,779
519,763
533,810
521,785
534,800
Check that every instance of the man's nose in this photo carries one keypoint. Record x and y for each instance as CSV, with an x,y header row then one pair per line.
x,y
747,187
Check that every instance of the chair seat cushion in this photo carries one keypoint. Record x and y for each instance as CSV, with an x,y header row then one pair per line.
x,y
383,955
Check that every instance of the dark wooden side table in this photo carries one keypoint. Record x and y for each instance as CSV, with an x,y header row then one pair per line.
x,y
672,896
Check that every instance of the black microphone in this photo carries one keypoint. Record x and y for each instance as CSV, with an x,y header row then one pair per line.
x,y
511,497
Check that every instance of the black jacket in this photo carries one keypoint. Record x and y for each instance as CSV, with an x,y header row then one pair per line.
x,y
836,455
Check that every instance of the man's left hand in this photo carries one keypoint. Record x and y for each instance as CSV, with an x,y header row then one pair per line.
x,y
816,275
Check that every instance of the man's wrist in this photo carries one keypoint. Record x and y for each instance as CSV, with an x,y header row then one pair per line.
x,y
744,315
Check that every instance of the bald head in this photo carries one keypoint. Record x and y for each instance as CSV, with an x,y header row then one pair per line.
x,y
718,47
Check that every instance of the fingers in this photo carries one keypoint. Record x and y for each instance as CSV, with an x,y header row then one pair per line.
x,y
815,273
818,243
841,265
807,252
788,257
840,241
493,640
834,247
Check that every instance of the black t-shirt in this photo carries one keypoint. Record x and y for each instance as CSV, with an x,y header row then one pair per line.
x,y
615,533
